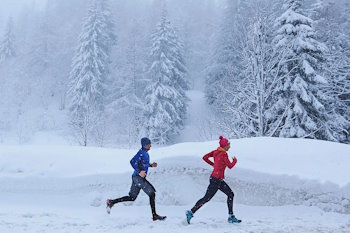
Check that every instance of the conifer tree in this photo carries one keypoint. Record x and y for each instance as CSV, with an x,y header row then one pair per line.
x,y
7,46
89,73
165,97
307,115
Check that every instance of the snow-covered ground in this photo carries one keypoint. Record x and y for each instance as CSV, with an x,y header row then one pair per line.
x,y
280,185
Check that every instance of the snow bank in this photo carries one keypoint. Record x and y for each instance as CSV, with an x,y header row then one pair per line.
x,y
306,159
269,172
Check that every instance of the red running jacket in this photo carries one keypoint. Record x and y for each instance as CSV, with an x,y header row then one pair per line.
x,y
221,161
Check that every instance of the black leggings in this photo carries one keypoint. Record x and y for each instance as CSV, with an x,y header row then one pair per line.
x,y
214,186
139,183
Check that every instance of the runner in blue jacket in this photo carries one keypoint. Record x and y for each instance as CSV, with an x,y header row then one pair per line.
x,y
140,162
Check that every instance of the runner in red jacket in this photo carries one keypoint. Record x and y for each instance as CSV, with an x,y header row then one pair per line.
x,y
221,161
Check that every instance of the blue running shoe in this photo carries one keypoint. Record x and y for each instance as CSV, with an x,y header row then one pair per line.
x,y
233,219
189,216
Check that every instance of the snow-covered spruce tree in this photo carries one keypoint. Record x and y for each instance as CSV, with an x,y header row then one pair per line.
x,y
345,47
126,101
7,45
89,74
108,27
253,104
307,115
329,30
223,73
42,48
225,64
238,74
165,99
40,58
328,24
342,64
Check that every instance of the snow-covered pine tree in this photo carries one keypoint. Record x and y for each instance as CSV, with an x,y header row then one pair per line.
x,y
307,115
225,63
347,65
247,97
108,26
89,74
346,26
344,58
229,70
42,48
324,15
40,57
328,25
180,74
223,72
253,105
342,64
7,46
165,99
125,101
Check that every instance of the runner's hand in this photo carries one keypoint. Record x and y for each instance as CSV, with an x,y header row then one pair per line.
x,y
154,164
142,174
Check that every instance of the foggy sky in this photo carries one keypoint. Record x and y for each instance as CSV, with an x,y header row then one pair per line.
x,y
14,7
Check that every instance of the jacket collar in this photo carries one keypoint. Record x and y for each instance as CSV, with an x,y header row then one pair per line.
x,y
144,149
221,149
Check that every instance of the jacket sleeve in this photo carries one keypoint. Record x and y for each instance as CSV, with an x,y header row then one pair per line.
x,y
135,161
206,158
228,162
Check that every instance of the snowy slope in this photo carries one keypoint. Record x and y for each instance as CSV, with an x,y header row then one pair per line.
x,y
280,185
197,124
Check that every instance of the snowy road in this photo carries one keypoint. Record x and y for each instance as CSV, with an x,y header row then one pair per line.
x,y
211,218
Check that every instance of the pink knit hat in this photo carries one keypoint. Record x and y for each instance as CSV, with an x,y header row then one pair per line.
x,y
223,141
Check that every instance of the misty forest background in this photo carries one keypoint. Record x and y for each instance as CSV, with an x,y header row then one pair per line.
x,y
106,73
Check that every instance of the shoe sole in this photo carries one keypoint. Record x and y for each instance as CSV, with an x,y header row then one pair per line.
x,y
162,219
235,222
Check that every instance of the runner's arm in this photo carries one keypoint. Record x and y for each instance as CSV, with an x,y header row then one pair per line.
x,y
207,160
230,164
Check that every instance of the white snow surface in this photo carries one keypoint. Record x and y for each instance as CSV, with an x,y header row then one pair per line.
x,y
280,185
